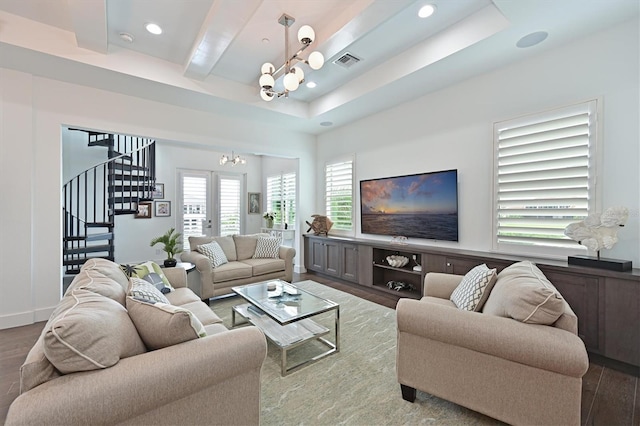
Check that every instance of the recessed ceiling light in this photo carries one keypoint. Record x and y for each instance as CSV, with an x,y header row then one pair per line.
x,y
311,84
153,28
426,11
126,37
326,123
532,39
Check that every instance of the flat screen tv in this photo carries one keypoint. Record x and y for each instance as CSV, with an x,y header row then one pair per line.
x,y
423,205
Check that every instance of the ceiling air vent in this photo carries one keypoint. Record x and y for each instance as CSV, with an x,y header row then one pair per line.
x,y
347,60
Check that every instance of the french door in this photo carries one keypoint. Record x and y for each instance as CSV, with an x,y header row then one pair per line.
x,y
212,203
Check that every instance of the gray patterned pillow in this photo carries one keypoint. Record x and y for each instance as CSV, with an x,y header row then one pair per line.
x,y
144,290
214,252
474,288
267,248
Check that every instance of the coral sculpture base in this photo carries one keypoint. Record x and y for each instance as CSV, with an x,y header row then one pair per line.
x,y
602,263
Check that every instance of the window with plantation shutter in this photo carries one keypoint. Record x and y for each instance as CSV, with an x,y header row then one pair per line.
x,y
281,197
339,194
544,178
194,204
230,205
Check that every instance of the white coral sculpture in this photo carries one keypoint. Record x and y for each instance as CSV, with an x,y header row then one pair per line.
x,y
598,231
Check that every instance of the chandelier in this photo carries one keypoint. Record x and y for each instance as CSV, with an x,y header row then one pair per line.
x,y
233,159
293,76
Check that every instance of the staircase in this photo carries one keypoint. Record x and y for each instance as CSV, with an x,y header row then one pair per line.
x,y
93,199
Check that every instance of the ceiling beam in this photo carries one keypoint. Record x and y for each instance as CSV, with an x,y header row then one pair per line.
x,y
223,23
89,18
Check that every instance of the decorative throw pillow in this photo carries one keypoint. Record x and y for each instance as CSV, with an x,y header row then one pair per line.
x,y
214,252
267,248
143,290
474,288
161,325
88,331
523,293
151,272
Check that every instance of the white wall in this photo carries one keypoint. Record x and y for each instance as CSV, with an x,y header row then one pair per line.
x,y
452,128
33,111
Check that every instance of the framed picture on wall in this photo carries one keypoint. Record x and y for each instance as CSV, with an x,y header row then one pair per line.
x,y
163,208
144,210
254,203
158,191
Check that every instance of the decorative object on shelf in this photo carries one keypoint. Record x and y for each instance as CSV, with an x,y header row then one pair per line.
x,y
321,225
400,240
254,203
400,285
599,231
233,159
162,208
171,246
397,261
269,218
293,76
144,210
418,267
158,191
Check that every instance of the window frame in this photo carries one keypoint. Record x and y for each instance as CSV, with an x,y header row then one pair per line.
x,y
336,230
539,249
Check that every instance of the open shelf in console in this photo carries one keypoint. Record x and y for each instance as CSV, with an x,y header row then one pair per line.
x,y
402,281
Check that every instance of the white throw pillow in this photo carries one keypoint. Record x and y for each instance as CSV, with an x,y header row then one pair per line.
x,y
267,248
144,290
214,252
474,288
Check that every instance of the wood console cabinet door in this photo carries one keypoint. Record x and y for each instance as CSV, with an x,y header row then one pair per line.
x,y
315,254
324,256
622,320
349,265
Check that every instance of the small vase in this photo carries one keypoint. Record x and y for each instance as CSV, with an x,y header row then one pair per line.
x,y
269,223
170,263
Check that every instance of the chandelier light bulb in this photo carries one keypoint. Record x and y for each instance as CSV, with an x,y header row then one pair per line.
x,y
266,96
316,60
291,82
267,81
299,73
306,35
267,68
223,160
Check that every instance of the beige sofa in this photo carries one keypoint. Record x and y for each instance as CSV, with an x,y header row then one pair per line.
x,y
516,372
204,380
241,268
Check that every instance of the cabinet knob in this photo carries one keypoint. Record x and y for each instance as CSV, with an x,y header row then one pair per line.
x,y
448,264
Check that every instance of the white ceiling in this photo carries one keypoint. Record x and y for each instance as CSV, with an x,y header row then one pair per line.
x,y
210,52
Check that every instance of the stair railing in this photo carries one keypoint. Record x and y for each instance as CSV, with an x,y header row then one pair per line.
x,y
93,198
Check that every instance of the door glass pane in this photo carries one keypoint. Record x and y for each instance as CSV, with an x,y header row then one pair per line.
x,y
229,206
194,205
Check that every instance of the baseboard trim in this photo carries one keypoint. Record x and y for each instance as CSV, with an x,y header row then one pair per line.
x,y
614,365
25,318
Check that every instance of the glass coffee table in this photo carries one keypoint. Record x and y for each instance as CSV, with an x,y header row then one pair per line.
x,y
283,312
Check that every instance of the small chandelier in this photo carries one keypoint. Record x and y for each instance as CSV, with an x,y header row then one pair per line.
x,y
293,76
233,159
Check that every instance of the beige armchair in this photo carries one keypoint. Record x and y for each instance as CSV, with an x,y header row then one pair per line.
x,y
516,372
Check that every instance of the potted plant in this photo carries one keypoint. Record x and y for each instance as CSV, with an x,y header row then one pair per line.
x,y
269,217
171,246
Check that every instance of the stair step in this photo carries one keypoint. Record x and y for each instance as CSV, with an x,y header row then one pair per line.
x,y
72,271
123,199
74,238
99,224
99,237
124,211
89,249
128,167
114,154
71,262
132,188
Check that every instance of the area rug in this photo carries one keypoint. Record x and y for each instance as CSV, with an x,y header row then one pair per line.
x,y
356,386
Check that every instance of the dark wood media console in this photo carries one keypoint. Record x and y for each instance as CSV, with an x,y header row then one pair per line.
x,y
606,302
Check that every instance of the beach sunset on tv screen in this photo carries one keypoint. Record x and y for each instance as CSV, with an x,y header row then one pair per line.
x,y
421,206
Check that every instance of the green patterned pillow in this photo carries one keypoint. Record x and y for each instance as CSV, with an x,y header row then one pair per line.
x,y
150,272
161,325
143,290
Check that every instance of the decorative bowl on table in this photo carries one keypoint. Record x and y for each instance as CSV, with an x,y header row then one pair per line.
x,y
397,261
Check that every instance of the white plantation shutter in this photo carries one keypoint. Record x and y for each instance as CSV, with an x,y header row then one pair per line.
x,y
339,194
544,178
230,204
281,197
194,205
